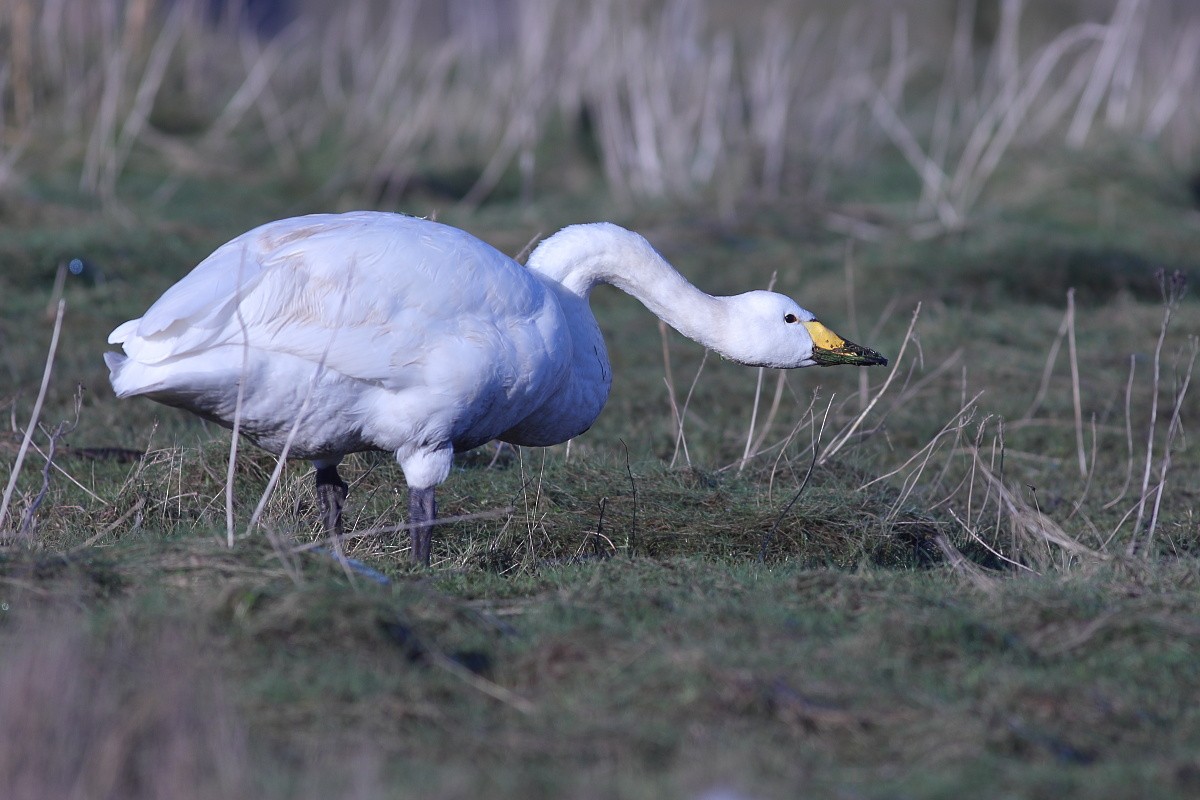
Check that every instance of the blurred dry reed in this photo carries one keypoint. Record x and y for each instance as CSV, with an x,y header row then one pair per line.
x,y
670,96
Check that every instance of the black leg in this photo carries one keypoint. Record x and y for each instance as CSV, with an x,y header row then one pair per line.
x,y
422,511
331,496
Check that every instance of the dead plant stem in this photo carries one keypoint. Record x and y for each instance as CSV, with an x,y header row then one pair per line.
x,y
36,413
840,440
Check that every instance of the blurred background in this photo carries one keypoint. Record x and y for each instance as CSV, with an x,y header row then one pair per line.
x,y
420,103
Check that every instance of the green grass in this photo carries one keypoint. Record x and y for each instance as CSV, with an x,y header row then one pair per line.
x,y
637,678
855,659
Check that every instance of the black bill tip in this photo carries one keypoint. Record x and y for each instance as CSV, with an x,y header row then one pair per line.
x,y
849,353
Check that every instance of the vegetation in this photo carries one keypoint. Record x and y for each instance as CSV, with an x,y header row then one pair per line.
x,y
973,573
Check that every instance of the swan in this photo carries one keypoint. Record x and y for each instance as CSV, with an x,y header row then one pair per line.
x,y
380,331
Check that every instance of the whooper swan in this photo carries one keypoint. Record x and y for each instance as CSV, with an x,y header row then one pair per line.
x,y
400,334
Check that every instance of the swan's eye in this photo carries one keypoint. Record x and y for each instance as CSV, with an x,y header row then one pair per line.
x,y
790,318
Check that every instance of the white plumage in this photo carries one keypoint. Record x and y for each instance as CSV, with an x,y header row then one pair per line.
x,y
417,338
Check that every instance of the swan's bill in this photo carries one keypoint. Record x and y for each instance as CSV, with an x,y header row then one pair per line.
x,y
829,349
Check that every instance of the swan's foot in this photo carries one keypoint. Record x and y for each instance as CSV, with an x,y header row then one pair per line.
x,y
331,496
422,511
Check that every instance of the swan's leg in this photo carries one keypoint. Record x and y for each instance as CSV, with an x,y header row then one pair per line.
x,y
424,468
422,511
331,496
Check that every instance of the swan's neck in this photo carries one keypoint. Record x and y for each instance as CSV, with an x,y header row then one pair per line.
x,y
582,256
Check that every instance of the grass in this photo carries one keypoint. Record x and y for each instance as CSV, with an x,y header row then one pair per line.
x,y
862,657
978,592
648,677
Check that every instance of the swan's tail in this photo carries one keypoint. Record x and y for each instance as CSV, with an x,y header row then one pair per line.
x,y
117,375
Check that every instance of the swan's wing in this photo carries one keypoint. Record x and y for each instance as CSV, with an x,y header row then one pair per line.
x,y
378,297
194,311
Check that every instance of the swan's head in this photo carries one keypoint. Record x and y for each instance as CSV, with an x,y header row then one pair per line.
x,y
766,329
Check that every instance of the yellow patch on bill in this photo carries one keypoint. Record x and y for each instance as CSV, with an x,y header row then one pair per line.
x,y
823,337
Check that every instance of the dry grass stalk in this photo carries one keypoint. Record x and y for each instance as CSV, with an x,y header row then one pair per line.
x,y
1077,506
954,427
1117,36
1174,429
117,152
933,178
631,545
47,456
1033,531
864,378
776,399
1048,369
62,429
1182,72
1128,434
21,59
281,462
237,408
758,381
808,414
669,380
680,439
963,565
749,450
997,128
1072,355
677,102
1172,289
970,531
35,414
842,438
812,464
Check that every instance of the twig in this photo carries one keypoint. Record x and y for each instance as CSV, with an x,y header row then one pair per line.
x,y
864,379
595,537
955,425
352,566
528,248
1000,474
62,429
